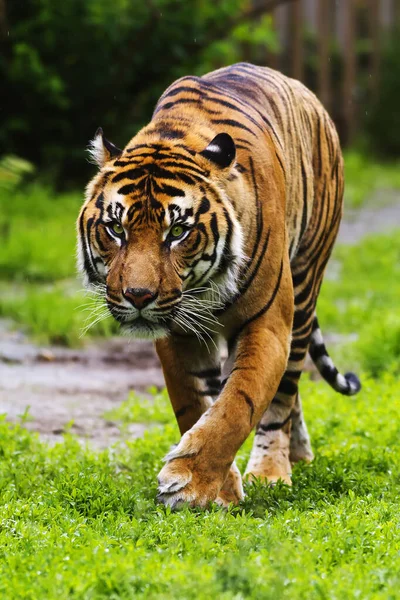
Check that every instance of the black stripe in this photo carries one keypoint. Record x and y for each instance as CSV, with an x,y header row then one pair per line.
x,y
235,108
304,294
88,262
169,105
248,401
288,387
297,356
273,426
171,190
246,284
317,350
263,310
233,123
183,410
305,196
178,90
206,373
329,374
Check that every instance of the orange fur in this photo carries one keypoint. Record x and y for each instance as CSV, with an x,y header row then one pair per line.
x,y
248,163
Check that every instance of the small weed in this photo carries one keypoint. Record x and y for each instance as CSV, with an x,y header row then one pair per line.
x,y
138,409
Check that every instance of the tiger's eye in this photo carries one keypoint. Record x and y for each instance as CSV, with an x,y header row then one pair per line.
x,y
177,231
117,228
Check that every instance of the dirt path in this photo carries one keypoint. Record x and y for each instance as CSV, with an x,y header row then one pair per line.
x,y
373,218
61,386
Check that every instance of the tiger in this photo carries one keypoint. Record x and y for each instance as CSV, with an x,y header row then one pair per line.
x,y
210,233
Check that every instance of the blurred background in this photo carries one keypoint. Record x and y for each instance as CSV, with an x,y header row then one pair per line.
x,y
68,67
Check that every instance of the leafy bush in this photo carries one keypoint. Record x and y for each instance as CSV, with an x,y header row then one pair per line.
x,y
70,66
379,344
57,315
13,171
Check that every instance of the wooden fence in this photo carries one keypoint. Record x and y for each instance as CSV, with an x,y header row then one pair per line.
x,y
335,47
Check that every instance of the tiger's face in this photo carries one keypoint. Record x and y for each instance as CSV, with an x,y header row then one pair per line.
x,y
158,235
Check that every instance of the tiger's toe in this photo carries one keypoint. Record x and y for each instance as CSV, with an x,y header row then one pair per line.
x,y
179,482
232,490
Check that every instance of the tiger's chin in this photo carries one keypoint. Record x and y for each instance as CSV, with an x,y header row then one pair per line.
x,y
146,330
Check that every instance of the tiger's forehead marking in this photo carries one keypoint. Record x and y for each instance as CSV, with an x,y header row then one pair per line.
x,y
150,203
151,182
117,206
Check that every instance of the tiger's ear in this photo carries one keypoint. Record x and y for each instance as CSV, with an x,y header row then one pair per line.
x,y
221,150
101,150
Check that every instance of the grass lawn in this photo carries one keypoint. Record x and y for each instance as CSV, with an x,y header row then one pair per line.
x,y
80,524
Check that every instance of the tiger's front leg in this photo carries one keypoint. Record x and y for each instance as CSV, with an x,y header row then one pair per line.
x,y
192,374
197,468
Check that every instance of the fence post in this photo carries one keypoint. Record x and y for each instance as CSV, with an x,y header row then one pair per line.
x,y
323,25
349,70
296,25
3,20
374,29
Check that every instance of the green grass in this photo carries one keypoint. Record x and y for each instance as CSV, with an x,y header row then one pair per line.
x,y
364,299
57,314
80,524
37,229
365,176
135,409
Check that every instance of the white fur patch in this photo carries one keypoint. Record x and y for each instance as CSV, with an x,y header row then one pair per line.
x,y
96,150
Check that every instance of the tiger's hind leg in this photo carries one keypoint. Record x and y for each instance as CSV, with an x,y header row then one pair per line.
x,y
300,445
281,436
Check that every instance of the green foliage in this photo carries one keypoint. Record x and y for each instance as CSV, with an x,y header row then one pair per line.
x,y
12,171
82,64
383,122
37,233
246,41
364,175
57,315
378,345
83,525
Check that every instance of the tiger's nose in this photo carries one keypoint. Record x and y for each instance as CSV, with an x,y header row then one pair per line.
x,y
139,297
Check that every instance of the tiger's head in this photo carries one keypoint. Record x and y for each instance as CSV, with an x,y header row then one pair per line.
x,y
158,236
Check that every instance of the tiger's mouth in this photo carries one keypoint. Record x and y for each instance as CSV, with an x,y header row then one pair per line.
x,y
137,324
193,313
142,328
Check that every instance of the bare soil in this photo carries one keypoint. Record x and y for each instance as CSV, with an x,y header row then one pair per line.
x,y
72,389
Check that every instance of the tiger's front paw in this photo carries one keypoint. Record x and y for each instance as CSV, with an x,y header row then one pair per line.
x,y
182,481
232,490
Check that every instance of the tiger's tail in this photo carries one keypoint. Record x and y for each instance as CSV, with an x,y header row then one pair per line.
x,y
347,384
